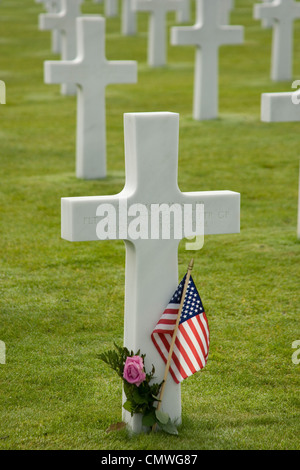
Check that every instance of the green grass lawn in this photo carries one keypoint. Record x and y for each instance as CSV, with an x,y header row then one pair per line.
x,y
62,303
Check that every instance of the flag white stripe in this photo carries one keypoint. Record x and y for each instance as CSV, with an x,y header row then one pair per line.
x,y
200,332
182,362
173,307
169,316
196,345
161,345
186,347
204,323
164,327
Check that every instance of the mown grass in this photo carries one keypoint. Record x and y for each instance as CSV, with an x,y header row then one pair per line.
x,y
61,303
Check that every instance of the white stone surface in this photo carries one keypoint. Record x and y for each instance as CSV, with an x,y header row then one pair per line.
x,y
56,34
129,19
207,35
2,92
298,225
111,8
280,107
226,6
282,13
157,40
267,23
91,72
183,14
53,6
65,22
151,277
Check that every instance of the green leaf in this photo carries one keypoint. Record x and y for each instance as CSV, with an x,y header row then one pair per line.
x,y
149,419
169,427
162,417
138,397
156,398
128,406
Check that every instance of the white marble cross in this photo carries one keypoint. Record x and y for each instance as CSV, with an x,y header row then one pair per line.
x,y
157,41
207,35
65,22
91,72
53,6
282,107
283,13
151,162
129,19
267,23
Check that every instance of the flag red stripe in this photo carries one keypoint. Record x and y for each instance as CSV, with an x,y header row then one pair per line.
x,y
204,333
166,321
184,354
178,366
200,321
198,338
171,310
191,341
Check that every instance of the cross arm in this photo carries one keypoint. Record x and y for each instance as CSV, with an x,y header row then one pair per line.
x,y
266,11
79,216
62,71
296,11
232,35
141,5
185,35
48,21
221,210
280,107
121,71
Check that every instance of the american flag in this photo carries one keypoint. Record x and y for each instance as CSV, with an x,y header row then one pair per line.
x,y
192,341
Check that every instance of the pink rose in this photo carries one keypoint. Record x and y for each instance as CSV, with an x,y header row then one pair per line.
x,y
134,370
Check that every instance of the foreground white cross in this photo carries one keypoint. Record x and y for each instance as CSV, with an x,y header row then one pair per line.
x,y
65,22
91,72
207,35
282,13
157,43
151,162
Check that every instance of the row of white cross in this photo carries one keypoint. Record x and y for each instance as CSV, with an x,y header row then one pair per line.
x,y
83,52
85,69
151,168
277,13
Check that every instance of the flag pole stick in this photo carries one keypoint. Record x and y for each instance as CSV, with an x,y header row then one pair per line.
x,y
162,391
